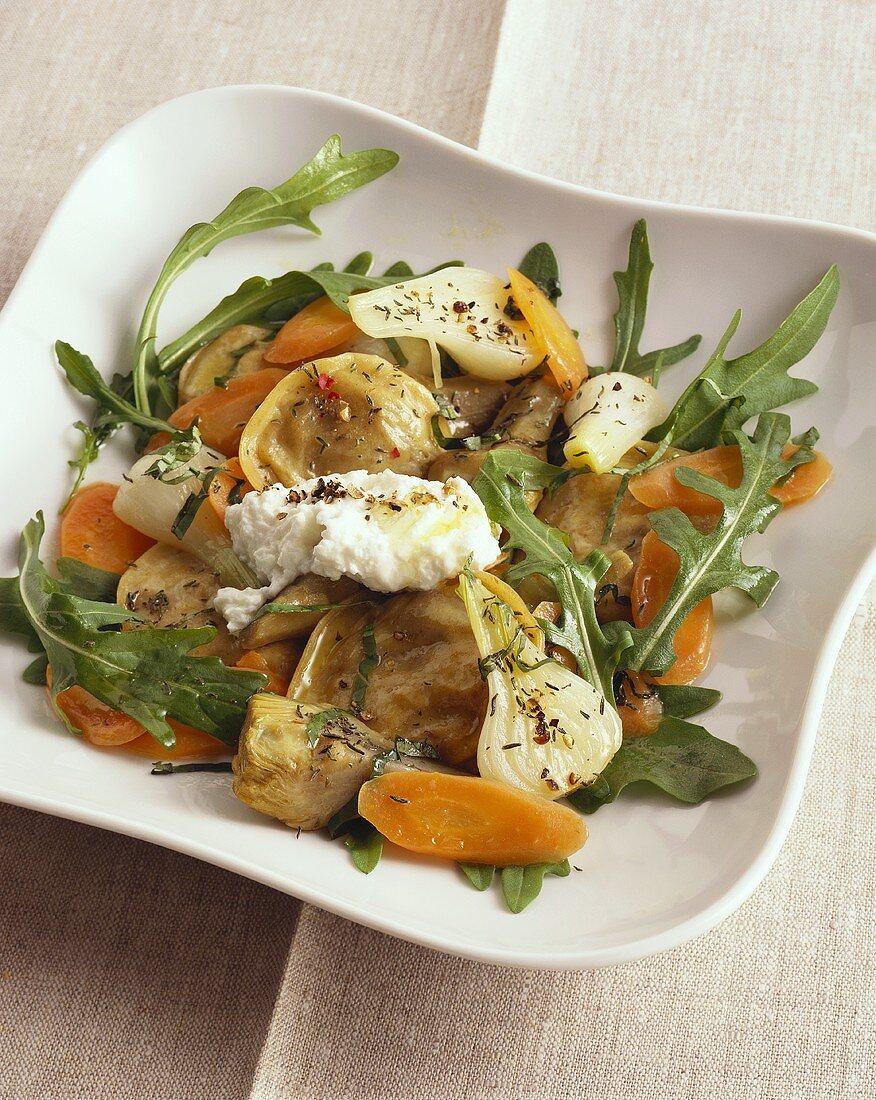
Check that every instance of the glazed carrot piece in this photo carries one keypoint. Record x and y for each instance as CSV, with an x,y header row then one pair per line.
x,y
638,704
98,723
278,681
223,413
223,484
655,574
464,817
92,533
564,355
190,743
659,487
318,327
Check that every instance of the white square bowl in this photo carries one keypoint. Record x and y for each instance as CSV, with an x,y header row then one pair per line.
x,y
653,873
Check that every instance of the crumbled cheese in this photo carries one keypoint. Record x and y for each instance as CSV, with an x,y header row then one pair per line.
x,y
388,531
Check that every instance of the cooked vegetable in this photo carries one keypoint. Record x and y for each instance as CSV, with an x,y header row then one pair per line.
x,y
579,508
638,704
98,723
565,359
317,329
169,587
228,486
159,490
547,730
237,352
607,415
349,412
629,320
692,643
524,423
712,561
328,176
148,674
191,744
464,817
303,595
277,660
301,763
469,405
462,310
543,552
91,532
659,488
419,637
222,412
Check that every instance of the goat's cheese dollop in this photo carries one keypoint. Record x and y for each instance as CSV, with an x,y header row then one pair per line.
x,y
388,531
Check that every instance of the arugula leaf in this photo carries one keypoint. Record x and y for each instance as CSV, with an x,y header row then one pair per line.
x,y
629,320
686,700
365,845
522,885
544,551
480,875
727,393
148,673
87,581
540,266
326,177
680,758
260,301
713,561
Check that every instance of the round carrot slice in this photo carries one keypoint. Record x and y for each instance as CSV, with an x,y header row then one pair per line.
x,y
654,577
222,413
92,533
464,817
189,743
317,328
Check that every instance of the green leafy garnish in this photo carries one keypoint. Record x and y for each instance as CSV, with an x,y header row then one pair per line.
x,y
167,767
680,758
544,551
710,562
686,700
365,845
520,885
480,875
87,581
629,320
326,177
260,301
147,673
729,392
370,661
540,266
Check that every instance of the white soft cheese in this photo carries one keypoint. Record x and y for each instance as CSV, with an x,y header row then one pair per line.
x,y
388,531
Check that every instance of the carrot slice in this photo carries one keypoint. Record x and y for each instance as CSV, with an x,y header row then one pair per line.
x,y
223,413
659,487
655,574
98,723
278,683
92,533
227,479
464,817
317,328
564,355
189,743
638,704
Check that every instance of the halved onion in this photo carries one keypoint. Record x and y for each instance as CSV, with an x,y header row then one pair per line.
x,y
608,415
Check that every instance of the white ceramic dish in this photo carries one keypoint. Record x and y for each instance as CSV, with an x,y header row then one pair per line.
x,y
653,873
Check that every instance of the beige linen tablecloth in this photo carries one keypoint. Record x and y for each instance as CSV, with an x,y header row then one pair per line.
x,y
128,971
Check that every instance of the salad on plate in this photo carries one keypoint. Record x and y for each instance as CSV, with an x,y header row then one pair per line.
x,y
395,556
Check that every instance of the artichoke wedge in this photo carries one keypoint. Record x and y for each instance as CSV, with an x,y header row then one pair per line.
x,y
301,762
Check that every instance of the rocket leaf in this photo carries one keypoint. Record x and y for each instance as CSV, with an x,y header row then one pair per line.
x,y
629,320
680,758
500,484
326,177
712,561
147,673
727,393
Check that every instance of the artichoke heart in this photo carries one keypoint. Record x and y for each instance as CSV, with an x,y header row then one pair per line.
x,y
301,762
